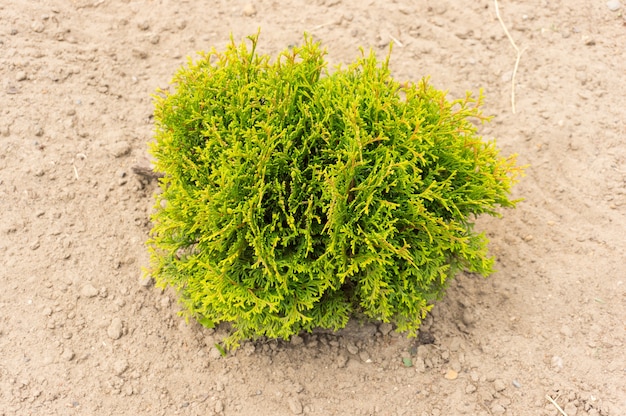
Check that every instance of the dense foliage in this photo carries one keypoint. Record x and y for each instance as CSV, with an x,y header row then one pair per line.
x,y
294,197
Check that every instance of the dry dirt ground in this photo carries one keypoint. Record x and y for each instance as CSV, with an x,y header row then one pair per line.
x,y
82,334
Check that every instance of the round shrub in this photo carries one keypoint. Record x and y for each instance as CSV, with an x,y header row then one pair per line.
x,y
294,197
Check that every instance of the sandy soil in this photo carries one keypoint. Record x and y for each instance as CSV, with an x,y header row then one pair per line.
x,y
82,334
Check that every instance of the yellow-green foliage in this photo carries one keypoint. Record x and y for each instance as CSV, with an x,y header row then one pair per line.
x,y
294,197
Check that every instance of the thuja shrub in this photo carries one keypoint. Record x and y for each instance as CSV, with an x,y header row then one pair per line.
x,y
294,197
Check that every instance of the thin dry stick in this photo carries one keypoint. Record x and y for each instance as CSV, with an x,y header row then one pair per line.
x,y
517,50
556,405
323,25
397,42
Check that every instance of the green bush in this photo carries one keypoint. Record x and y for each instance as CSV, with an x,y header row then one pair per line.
x,y
295,198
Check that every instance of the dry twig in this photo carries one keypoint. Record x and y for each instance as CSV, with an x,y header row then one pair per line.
x,y
556,405
396,41
517,50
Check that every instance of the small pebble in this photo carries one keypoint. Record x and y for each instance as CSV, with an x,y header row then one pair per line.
x,y
589,41
119,367
470,389
20,76
119,149
68,355
296,340
614,5
451,375
497,409
385,328
468,317
499,385
89,291
219,406
249,10
146,281
516,384
37,26
352,349
115,330
342,360
570,409
566,331
140,53
214,353
419,364
295,406
143,25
